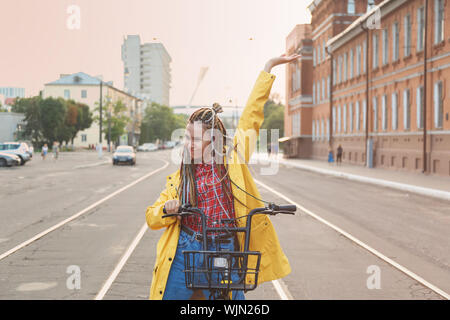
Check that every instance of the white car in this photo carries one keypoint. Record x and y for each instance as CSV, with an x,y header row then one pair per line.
x,y
147,147
124,154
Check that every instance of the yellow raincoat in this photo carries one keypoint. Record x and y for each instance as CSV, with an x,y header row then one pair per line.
x,y
274,263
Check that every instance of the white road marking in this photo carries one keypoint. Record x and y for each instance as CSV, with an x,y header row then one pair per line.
x,y
36,286
121,263
60,224
282,290
360,243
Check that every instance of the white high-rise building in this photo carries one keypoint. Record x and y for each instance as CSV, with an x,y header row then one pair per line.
x,y
146,70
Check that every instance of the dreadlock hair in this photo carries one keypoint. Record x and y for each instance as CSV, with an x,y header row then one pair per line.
x,y
209,119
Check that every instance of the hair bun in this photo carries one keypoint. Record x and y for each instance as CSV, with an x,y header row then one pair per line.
x,y
217,108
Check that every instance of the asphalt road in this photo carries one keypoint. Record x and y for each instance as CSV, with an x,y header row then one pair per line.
x,y
410,229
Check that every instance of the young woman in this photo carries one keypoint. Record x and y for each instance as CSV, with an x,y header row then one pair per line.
x,y
222,189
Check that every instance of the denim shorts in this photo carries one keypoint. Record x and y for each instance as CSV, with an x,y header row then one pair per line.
x,y
176,283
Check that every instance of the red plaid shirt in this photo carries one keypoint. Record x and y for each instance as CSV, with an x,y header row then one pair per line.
x,y
207,200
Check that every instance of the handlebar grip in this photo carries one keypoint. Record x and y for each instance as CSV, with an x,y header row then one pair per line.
x,y
287,207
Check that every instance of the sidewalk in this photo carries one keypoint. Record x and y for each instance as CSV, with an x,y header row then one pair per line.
x,y
429,185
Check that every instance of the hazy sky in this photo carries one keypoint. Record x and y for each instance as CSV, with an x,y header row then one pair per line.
x,y
37,45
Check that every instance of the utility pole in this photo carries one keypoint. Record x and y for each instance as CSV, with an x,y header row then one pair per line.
x,y
100,148
424,102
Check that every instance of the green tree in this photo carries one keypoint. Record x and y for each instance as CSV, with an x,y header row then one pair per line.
x,y
159,122
31,108
273,118
116,113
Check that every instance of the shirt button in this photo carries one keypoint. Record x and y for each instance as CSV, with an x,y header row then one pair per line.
x,y
160,292
170,259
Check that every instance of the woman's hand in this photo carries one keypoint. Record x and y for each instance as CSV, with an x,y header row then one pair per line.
x,y
172,206
280,60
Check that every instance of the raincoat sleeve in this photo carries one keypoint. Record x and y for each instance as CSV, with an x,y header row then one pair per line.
x,y
253,116
154,213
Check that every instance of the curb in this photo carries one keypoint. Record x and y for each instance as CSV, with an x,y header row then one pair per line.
x,y
439,194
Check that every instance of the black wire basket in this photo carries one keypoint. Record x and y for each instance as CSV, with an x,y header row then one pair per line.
x,y
221,270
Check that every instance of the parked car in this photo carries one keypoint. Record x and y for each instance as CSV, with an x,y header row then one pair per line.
x,y
124,154
147,147
9,160
20,149
169,144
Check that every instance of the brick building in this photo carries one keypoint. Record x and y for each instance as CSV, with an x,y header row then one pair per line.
x,y
360,84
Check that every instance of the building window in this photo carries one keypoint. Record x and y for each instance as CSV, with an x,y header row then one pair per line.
x,y
334,119
438,105
323,50
328,87
296,124
345,67
339,119
395,41
364,55
344,117
394,107
351,64
334,72
376,51
375,113
83,93
66,94
420,28
385,46
350,114
358,60
407,28
438,21
364,114
339,69
83,137
384,113
358,126
323,88
318,91
419,109
351,7
313,130
406,109
322,129
328,129
314,93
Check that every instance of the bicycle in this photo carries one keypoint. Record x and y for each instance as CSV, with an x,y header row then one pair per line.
x,y
218,267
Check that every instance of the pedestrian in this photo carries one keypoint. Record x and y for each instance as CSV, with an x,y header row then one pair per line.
x,y
206,184
55,150
339,155
330,156
44,151
269,149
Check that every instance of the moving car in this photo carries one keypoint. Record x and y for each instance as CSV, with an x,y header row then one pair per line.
x,y
124,154
9,159
147,147
19,149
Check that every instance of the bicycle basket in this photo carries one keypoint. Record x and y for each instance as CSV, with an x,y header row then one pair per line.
x,y
226,270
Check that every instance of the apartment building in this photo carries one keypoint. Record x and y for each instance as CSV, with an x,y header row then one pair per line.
x,y
146,70
87,89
